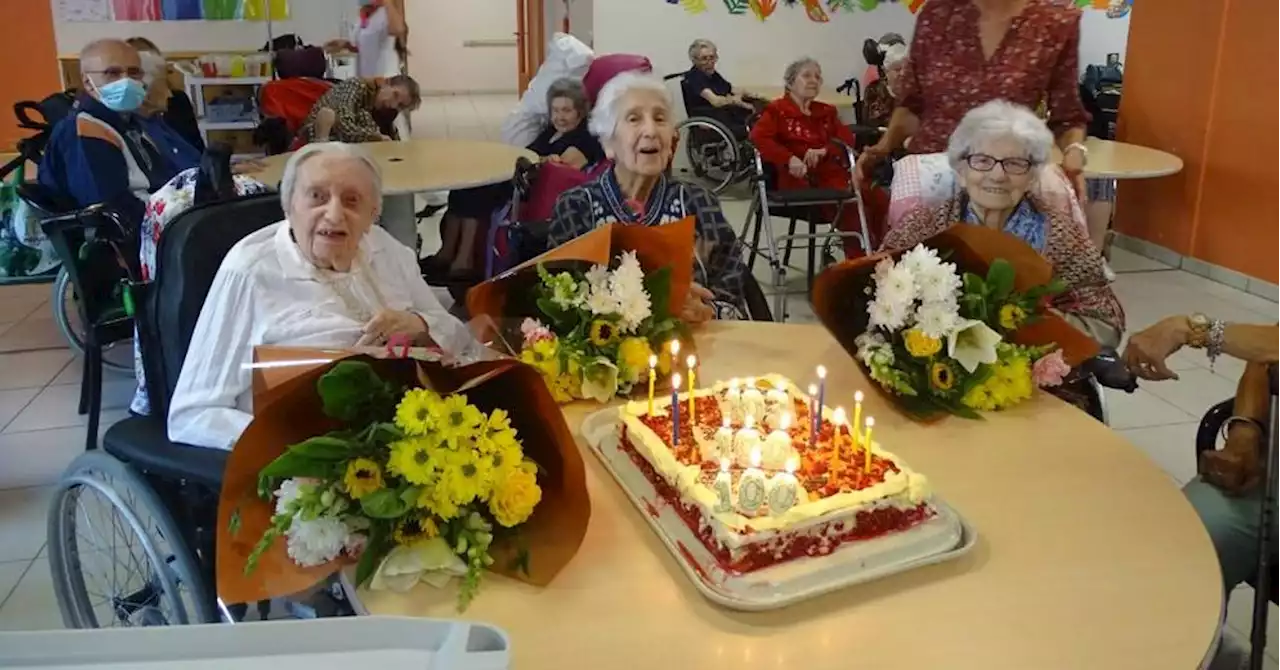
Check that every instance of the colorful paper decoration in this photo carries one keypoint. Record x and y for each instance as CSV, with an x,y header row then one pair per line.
x,y
815,11
914,6
868,5
181,10
763,8
81,11
844,5
221,10
136,10
694,6
736,6
256,10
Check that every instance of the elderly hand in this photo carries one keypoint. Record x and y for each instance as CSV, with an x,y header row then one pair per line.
x,y
812,156
867,160
389,322
696,310
1073,165
797,168
1146,352
247,167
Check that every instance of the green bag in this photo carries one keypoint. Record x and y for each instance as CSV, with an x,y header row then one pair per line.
x,y
24,249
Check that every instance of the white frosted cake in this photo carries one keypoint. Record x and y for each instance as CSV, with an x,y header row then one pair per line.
x,y
757,487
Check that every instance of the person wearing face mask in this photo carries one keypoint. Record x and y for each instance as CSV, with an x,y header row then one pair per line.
x,y
998,151
326,276
163,101
796,133
106,151
633,119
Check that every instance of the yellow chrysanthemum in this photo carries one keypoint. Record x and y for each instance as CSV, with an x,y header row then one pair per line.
x,y
942,377
543,355
602,333
1012,316
413,529
920,345
633,356
363,477
505,459
458,421
414,414
1009,384
497,431
515,496
414,458
466,476
437,501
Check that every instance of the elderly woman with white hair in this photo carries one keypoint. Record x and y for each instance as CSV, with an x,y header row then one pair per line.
x,y
633,120
998,152
879,98
326,276
708,93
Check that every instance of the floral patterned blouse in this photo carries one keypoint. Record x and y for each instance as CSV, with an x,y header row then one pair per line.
x,y
947,74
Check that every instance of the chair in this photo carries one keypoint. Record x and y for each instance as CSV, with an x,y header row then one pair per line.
x,y
163,494
712,148
518,232
797,205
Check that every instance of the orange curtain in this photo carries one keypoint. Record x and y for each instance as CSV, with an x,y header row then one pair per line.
x,y
28,59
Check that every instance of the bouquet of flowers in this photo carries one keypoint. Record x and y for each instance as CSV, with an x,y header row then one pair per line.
x,y
410,474
601,328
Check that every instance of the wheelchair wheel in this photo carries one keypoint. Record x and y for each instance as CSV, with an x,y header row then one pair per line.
x,y
118,357
116,556
711,150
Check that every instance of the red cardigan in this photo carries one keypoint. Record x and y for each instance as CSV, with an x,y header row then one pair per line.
x,y
783,131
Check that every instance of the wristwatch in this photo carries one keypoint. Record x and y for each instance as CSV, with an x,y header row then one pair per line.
x,y
1207,334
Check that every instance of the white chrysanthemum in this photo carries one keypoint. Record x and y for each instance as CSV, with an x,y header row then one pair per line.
x,y
940,283
937,319
317,541
629,275
890,315
919,260
291,490
898,286
882,270
635,308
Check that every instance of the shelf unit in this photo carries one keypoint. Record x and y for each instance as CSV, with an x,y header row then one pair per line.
x,y
195,87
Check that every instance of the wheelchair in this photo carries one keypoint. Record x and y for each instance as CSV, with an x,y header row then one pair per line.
x,y
714,151
131,527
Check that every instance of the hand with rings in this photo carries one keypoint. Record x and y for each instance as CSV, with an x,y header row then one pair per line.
x,y
389,322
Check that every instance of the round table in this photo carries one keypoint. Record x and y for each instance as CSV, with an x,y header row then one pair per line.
x,y
423,166
1088,556
1109,159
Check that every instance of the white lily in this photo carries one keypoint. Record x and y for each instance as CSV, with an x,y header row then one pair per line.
x,y
600,380
973,343
431,561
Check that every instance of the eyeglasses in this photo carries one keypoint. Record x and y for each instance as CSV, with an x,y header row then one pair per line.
x,y
709,59
118,72
985,163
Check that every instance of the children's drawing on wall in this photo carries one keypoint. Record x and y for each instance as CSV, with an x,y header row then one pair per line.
x,y
818,11
1115,9
80,11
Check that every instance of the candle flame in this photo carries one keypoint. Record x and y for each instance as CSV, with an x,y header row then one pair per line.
x,y
675,381
653,361
691,361
724,465
870,422
822,372
726,422
792,465
755,457
813,389
675,348
857,396
785,422
838,417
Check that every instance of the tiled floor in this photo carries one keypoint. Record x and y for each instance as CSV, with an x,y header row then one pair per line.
x,y
40,431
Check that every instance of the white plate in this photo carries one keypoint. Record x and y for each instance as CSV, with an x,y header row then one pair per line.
x,y
944,537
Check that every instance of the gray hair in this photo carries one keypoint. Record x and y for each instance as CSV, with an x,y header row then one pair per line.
x,y
604,118
894,54
291,169
697,46
793,70
889,39
568,87
996,119
410,85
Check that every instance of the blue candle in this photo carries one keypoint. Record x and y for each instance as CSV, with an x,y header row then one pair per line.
x,y
815,415
675,409
822,391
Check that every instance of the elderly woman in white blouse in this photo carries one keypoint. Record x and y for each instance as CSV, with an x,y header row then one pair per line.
x,y
324,277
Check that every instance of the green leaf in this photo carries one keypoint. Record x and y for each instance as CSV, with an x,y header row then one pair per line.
x,y
381,434
1000,279
658,285
324,448
409,495
384,504
974,285
354,393
290,464
374,551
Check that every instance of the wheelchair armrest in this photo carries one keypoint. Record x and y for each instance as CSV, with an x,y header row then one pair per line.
x,y
92,217
1110,371
1211,425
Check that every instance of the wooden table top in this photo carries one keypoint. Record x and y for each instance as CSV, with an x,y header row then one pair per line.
x,y
420,166
1088,556
1109,159
827,95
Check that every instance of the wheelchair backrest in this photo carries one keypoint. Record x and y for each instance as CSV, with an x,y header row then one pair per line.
x,y
187,260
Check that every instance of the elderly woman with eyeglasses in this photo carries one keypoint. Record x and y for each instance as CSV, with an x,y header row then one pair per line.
x,y
998,152
633,120
797,134
710,94
326,276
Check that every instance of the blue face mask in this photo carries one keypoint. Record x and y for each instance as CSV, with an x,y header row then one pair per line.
x,y
122,95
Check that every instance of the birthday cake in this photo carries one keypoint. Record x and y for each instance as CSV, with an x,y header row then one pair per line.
x,y
742,465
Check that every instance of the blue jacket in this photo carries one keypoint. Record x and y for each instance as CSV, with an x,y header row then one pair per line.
x,y
92,159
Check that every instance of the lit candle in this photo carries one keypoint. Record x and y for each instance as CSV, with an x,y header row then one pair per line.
x,y
838,420
783,489
692,363
777,445
815,415
723,487
866,462
724,442
747,440
733,401
857,416
777,403
751,486
822,386
653,376
675,352
675,409
752,400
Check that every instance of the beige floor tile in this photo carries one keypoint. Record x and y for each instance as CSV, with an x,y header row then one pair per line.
x,y
24,517
55,406
32,605
10,575
1141,409
32,369
73,372
1123,260
1194,392
1240,617
1171,446
12,402
38,458
35,332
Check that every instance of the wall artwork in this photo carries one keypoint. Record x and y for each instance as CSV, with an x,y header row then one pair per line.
x,y
80,11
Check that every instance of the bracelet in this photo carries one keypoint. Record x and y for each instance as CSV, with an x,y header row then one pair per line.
x,y
1226,425
1084,151
1216,341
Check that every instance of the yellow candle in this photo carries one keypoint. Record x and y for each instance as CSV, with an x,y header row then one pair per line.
x,y
653,375
857,416
692,362
838,419
866,463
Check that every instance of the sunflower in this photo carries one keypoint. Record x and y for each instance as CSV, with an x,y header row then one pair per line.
x,y
603,333
413,529
920,345
942,377
414,459
457,420
1012,316
414,413
363,477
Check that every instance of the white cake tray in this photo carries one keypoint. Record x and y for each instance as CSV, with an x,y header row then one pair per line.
x,y
942,538
385,643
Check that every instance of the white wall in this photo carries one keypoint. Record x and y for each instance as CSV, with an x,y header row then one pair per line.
x,y
313,20
440,57
1100,36
751,52
581,18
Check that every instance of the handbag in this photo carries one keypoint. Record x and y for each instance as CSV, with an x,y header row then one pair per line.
x,y
25,251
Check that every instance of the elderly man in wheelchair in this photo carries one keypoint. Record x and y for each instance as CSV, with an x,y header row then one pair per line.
x,y
131,530
996,155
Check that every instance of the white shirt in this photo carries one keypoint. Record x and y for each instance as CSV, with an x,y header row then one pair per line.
x,y
266,293
377,55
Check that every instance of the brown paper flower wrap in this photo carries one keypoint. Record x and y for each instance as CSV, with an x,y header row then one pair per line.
x,y
288,410
546,309
842,293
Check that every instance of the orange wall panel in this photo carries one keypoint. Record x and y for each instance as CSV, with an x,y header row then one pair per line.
x,y
28,60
